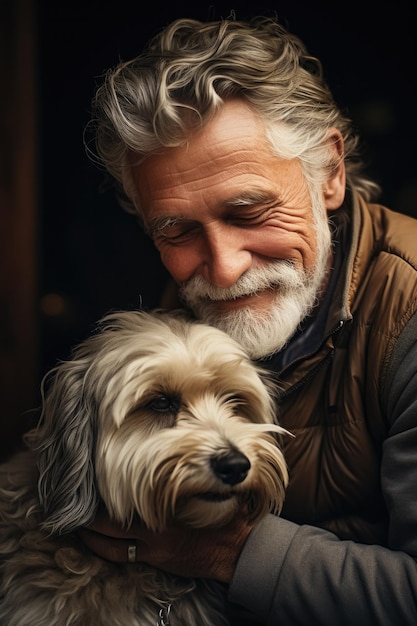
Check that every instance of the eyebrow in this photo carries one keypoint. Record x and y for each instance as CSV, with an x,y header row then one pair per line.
x,y
163,222
251,198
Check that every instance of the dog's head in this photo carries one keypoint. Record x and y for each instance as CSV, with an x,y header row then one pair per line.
x,y
160,417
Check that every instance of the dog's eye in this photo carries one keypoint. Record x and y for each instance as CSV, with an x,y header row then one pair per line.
x,y
164,404
235,402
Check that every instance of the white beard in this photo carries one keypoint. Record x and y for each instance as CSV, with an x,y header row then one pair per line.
x,y
297,292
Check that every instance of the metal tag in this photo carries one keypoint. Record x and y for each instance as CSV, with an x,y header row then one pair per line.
x,y
163,616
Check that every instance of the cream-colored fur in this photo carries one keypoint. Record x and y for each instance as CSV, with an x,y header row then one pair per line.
x,y
155,416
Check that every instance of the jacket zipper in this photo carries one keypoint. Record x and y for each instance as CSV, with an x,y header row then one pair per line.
x,y
329,356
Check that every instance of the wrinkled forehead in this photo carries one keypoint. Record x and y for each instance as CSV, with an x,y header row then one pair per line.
x,y
228,139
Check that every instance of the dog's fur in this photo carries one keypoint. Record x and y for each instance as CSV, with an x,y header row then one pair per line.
x,y
155,416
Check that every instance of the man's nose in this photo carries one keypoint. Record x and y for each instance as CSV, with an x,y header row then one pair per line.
x,y
227,256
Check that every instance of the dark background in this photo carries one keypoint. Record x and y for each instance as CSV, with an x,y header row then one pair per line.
x,y
92,256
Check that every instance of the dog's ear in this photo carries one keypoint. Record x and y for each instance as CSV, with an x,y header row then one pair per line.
x,y
64,447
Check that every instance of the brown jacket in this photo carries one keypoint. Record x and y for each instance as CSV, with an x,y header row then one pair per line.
x,y
333,400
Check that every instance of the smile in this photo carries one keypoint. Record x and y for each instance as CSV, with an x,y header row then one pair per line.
x,y
252,299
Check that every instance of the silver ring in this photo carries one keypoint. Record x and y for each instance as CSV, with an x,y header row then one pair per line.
x,y
131,553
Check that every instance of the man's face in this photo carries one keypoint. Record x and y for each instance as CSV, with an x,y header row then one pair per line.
x,y
234,224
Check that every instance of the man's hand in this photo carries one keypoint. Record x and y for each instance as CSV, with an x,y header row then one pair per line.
x,y
202,553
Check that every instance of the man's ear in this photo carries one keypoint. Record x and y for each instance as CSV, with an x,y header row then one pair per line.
x,y
335,186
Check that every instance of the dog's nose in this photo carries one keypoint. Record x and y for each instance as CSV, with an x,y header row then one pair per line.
x,y
232,468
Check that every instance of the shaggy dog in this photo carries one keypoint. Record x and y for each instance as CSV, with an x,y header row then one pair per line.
x,y
155,417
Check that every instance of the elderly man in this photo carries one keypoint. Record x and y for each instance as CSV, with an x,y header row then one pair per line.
x,y
228,145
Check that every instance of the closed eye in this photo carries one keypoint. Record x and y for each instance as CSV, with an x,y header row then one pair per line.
x,y
176,231
251,219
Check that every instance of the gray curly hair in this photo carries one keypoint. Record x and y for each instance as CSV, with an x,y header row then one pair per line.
x,y
190,68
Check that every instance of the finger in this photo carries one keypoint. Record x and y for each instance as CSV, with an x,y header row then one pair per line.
x,y
109,548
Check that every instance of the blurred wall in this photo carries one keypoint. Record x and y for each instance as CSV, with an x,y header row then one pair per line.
x,y
18,220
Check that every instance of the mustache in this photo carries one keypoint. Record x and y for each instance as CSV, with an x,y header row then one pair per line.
x,y
281,273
